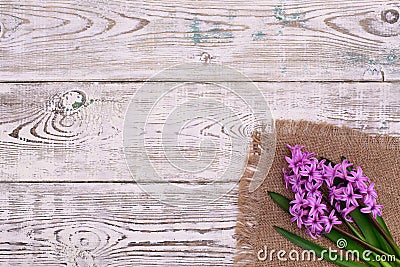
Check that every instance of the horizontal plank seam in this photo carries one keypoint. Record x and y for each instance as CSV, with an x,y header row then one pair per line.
x,y
101,182
169,81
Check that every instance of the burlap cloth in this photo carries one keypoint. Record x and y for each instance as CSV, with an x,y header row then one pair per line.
x,y
379,156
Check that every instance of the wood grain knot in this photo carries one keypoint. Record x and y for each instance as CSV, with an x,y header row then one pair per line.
x,y
383,23
83,245
45,25
205,57
70,102
390,16
63,119
85,239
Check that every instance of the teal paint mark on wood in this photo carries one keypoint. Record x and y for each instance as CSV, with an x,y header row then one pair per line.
x,y
281,15
355,58
385,58
259,36
391,58
213,35
195,29
285,18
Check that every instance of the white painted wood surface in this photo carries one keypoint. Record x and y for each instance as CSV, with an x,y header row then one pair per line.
x,y
67,197
131,40
33,150
110,225
82,222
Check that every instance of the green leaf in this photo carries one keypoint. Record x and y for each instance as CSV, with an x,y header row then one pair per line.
x,y
384,244
319,251
334,236
382,223
351,245
355,230
282,201
364,225
370,232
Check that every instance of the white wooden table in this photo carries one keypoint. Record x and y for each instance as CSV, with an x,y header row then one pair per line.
x,y
73,201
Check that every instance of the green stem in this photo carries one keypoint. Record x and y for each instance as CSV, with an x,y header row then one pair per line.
x,y
382,223
355,231
349,225
384,234
365,244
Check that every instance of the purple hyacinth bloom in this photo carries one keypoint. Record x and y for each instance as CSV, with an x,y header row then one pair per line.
x,y
314,224
313,188
314,235
359,179
316,206
311,170
298,184
374,209
299,215
336,193
346,186
295,149
330,221
299,202
346,213
350,196
330,173
369,193
343,170
288,178
299,158
294,164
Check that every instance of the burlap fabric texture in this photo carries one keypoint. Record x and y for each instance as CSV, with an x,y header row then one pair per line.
x,y
379,156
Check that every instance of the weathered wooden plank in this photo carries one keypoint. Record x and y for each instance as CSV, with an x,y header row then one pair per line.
x,y
110,225
282,40
40,141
